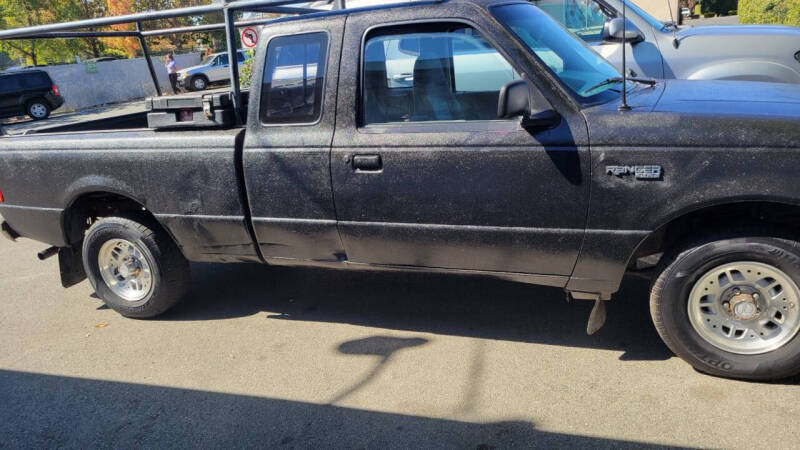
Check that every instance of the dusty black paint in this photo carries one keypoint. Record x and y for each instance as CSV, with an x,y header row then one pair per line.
x,y
480,197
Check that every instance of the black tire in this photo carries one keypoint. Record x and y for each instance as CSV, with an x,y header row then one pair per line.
x,y
169,268
198,78
670,293
38,109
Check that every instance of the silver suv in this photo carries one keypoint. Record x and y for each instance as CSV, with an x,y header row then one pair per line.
x,y
214,69
744,52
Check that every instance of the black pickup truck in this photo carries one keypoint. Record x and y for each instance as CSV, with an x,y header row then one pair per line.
x,y
473,137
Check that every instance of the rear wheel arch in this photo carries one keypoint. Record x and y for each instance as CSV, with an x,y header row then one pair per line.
x,y
84,209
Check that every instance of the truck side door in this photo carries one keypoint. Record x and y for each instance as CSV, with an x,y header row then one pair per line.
x,y
290,126
220,70
424,174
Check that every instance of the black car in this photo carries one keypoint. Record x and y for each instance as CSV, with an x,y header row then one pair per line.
x,y
30,92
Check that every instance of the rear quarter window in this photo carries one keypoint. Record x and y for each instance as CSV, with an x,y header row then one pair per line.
x,y
10,83
36,80
294,79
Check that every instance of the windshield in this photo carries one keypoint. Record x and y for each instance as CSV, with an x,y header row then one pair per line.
x,y
577,65
208,60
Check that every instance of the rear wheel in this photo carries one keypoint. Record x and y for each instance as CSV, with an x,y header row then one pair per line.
x,y
731,307
38,109
136,269
199,83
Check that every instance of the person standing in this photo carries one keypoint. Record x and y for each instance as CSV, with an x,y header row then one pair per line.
x,y
172,72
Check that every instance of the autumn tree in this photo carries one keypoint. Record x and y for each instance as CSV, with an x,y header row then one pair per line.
x,y
128,45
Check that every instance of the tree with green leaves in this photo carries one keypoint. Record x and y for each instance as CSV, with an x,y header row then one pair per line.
x,y
24,13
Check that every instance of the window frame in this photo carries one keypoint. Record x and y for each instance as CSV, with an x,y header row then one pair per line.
x,y
498,124
324,89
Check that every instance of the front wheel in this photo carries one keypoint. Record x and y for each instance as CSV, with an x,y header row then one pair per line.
x,y
136,269
731,307
199,83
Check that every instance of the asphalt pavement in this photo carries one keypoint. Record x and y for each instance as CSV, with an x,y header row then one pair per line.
x,y
296,358
712,21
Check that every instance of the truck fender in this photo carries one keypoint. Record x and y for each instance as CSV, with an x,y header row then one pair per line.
x,y
747,69
97,184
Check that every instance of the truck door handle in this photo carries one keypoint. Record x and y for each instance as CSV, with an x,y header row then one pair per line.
x,y
367,163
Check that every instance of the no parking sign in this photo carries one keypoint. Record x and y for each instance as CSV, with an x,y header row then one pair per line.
x,y
249,37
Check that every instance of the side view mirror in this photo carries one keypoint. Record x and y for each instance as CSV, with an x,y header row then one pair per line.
x,y
612,32
517,100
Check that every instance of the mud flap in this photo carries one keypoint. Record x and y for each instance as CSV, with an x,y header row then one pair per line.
x,y
597,317
70,264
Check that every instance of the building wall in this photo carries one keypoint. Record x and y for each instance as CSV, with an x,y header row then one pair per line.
x,y
115,81
659,8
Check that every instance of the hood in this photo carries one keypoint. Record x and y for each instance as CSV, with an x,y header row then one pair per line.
x,y
699,113
193,68
731,98
740,30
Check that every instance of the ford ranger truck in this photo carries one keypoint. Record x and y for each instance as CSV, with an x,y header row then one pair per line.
x,y
522,167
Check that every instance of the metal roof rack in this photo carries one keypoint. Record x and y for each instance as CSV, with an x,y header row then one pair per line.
x,y
67,29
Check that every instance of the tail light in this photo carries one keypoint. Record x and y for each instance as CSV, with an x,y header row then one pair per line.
x,y
1,196
55,89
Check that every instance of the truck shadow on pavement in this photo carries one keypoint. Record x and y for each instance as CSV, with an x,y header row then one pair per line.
x,y
44,411
475,307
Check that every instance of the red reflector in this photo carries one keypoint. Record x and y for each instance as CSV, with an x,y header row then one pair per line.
x,y
1,196
55,89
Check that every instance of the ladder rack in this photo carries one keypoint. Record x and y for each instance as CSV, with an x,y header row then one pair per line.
x,y
67,30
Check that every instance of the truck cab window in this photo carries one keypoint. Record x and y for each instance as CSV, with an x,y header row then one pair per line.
x,y
419,76
294,78
583,17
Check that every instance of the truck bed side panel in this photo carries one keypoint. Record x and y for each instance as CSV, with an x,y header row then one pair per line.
x,y
186,179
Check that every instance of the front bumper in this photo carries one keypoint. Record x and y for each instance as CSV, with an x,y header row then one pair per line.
x,y
183,83
8,232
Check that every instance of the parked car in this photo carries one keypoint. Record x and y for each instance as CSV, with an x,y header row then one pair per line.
x,y
212,70
103,59
686,12
738,52
30,92
541,180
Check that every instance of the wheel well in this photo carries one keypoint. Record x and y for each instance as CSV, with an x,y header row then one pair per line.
x,y
86,209
721,217
33,99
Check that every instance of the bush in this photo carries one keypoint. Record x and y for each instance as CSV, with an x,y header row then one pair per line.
x,y
718,7
785,12
246,70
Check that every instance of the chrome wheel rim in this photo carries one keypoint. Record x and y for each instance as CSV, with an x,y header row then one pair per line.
x,y
125,270
199,84
745,307
38,110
